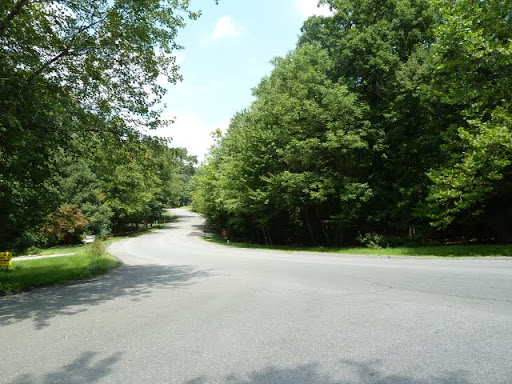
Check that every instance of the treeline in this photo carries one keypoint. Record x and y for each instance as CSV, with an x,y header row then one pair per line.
x,y
78,83
390,123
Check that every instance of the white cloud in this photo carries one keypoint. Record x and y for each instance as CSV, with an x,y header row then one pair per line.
x,y
310,8
190,132
225,27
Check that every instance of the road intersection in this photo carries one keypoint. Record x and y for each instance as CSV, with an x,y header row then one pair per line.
x,y
182,310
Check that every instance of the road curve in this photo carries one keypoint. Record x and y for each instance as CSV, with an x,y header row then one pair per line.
x,y
182,310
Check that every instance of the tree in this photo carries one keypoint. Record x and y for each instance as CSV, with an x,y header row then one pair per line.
x,y
315,159
473,73
381,53
68,68
289,157
135,178
33,124
107,54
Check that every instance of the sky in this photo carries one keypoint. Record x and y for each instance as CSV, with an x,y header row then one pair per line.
x,y
226,53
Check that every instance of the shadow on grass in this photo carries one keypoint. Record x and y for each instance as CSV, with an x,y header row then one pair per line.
x,y
133,282
85,369
354,373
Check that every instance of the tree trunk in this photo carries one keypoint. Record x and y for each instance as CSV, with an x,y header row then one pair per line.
x,y
310,227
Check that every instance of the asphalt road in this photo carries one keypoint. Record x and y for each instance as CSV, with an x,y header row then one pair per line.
x,y
185,311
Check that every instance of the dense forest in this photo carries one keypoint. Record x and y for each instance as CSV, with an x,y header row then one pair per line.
x,y
77,88
389,123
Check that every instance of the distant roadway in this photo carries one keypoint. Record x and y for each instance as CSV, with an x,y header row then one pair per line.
x,y
182,310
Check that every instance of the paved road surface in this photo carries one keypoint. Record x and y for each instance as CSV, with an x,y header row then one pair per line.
x,y
185,311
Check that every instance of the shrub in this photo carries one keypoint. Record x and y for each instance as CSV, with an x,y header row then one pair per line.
x,y
373,240
33,250
66,224
96,248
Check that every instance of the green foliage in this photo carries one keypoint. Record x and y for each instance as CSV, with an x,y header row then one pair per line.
x,y
104,53
97,248
473,73
125,181
33,250
147,176
390,118
77,81
373,240
34,119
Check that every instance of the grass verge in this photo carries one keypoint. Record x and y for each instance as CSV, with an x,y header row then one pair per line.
x,y
88,262
63,249
432,251
84,262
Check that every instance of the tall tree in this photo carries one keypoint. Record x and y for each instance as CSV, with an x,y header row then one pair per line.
x,y
380,50
289,163
107,54
473,73
391,117
68,67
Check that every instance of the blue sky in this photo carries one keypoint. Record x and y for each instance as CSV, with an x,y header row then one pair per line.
x,y
227,52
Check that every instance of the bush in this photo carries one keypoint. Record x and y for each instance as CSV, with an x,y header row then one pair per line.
x,y
32,238
376,241
97,248
66,224
33,250
373,240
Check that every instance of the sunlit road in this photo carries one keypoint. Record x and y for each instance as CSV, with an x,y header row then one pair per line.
x,y
186,311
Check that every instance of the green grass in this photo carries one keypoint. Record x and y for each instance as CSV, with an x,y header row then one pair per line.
x,y
432,251
85,262
62,250
27,274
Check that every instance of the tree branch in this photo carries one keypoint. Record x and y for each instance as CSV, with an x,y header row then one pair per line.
x,y
65,52
18,7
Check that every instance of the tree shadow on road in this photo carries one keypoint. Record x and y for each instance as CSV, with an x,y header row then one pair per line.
x,y
133,282
353,373
88,368
85,369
